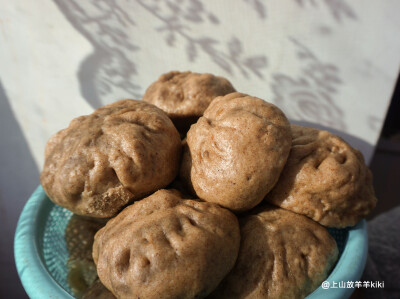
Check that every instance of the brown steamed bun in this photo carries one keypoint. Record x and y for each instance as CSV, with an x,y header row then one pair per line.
x,y
102,161
325,179
282,255
184,96
236,151
164,246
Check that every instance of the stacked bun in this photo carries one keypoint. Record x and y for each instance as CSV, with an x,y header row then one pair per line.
x,y
211,230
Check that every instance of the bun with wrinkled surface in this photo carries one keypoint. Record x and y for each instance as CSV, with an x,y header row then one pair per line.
x,y
166,247
236,151
102,161
282,255
184,96
325,179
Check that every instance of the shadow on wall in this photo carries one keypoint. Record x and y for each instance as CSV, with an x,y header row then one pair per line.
x,y
19,177
109,69
366,148
112,70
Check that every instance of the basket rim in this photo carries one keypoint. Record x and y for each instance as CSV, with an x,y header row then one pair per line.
x,y
38,282
352,259
36,279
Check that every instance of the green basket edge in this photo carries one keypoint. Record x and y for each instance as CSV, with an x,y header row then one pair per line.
x,y
350,266
38,283
36,280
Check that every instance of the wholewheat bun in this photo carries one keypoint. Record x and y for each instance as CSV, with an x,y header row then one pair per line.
x,y
282,255
184,96
102,161
236,151
325,179
165,246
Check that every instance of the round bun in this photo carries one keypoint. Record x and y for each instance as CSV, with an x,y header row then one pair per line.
x,y
166,247
236,151
325,179
184,96
102,161
282,255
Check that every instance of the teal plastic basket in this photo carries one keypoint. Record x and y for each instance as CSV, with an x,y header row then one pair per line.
x,y
41,254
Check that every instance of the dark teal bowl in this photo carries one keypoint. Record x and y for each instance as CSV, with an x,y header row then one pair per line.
x,y
41,254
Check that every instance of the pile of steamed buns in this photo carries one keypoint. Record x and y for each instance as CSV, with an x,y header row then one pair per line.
x,y
200,191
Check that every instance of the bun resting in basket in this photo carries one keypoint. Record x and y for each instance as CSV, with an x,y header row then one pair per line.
x,y
164,246
184,96
325,179
102,161
282,255
236,151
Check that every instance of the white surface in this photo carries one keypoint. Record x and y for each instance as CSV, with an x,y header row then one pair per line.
x,y
52,51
